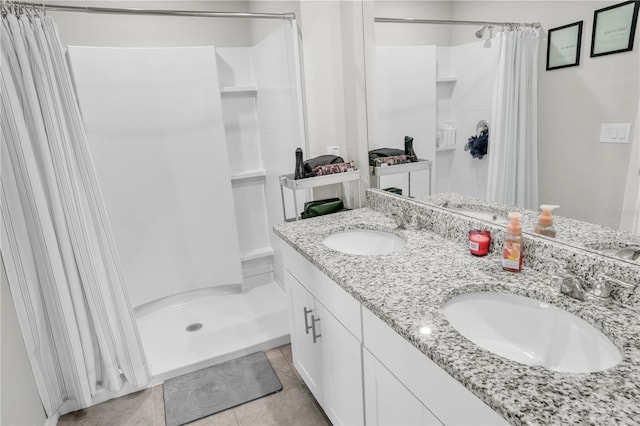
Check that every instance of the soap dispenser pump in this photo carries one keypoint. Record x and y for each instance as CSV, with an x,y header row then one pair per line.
x,y
512,249
545,221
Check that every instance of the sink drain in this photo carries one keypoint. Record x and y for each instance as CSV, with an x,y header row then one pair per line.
x,y
194,327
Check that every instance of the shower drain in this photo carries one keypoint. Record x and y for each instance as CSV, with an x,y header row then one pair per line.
x,y
194,327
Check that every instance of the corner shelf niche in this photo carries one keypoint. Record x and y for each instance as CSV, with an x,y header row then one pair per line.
x,y
242,90
257,174
446,80
446,148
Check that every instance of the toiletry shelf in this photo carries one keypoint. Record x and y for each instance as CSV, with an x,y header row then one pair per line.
x,y
441,80
408,168
287,181
445,148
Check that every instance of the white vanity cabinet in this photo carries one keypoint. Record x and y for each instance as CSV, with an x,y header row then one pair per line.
x,y
326,340
359,369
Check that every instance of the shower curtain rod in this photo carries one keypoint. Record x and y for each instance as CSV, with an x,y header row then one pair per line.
x,y
452,22
135,11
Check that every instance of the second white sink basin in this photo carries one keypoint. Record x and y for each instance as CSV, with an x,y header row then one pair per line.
x,y
364,242
531,332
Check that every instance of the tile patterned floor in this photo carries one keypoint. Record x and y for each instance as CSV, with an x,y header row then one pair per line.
x,y
294,405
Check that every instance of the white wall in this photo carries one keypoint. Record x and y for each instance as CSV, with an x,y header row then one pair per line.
x,y
391,34
263,28
19,399
118,30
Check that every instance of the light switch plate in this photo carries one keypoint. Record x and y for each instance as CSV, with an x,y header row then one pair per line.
x,y
615,132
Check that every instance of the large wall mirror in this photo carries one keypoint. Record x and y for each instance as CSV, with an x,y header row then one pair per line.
x,y
426,79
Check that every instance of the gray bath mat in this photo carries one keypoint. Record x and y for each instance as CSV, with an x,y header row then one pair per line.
x,y
214,389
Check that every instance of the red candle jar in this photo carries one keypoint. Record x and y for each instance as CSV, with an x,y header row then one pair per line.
x,y
479,241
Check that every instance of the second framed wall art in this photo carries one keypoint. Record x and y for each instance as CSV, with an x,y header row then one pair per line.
x,y
614,28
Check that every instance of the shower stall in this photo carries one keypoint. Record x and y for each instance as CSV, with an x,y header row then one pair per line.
x,y
190,120
192,199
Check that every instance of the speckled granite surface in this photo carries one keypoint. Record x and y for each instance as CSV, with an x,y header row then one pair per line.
x,y
584,264
584,235
407,288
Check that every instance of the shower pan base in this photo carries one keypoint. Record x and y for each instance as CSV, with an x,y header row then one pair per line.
x,y
233,324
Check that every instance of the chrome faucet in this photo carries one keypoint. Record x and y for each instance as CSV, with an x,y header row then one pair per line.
x,y
564,282
599,292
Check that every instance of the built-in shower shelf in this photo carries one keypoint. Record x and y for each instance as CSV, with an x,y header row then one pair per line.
x,y
249,90
257,174
443,80
259,253
446,148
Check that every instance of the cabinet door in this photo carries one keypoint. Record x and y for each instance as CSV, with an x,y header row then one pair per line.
x,y
342,371
387,401
306,353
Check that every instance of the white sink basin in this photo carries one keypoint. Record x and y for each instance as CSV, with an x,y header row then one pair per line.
x,y
364,242
531,332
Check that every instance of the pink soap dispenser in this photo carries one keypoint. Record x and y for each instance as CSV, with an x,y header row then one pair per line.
x,y
512,249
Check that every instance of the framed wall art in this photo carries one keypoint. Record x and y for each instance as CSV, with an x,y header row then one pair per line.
x,y
563,46
614,28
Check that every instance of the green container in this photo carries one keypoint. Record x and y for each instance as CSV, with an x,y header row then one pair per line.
x,y
322,207
394,190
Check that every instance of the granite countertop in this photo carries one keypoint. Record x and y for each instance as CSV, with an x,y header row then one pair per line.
x,y
598,238
407,288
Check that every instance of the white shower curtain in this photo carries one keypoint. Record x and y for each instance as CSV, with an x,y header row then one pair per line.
x,y
513,145
63,270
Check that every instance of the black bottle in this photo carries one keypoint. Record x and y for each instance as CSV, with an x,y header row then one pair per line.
x,y
299,172
408,148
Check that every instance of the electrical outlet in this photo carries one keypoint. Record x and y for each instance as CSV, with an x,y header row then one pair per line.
x,y
333,150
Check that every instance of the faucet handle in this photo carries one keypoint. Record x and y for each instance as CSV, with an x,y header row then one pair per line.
x,y
557,272
604,284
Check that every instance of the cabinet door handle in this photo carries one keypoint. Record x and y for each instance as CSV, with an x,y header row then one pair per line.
x,y
314,320
307,327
